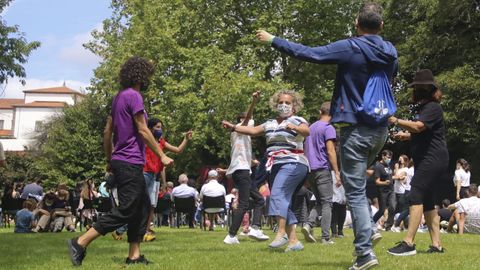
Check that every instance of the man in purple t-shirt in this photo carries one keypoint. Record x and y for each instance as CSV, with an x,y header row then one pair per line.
x,y
127,124
320,151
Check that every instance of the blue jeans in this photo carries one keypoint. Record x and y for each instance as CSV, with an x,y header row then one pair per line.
x,y
359,148
286,179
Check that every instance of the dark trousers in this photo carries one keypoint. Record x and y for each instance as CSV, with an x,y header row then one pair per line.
x,y
243,183
339,213
386,198
133,202
404,211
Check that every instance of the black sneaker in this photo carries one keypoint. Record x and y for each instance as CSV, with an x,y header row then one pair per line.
x,y
365,262
77,252
139,260
433,249
403,249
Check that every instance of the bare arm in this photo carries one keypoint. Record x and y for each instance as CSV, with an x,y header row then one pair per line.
x,y
458,187
148,138
107,138
378,182
332,158
302,129
411,126
179,149
256,96
252,131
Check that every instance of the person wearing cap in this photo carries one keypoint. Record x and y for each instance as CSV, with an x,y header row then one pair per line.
x,y
286,162
212,188
430,154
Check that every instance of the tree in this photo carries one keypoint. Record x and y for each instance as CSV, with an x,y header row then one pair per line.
x,y
443,36
208,66
14,49
70,145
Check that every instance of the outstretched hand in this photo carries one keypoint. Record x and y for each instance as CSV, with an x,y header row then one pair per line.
x,y
256,95
227,125
189,135
167,161
264,36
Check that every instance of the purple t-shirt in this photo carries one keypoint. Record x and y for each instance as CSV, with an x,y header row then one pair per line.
x,y
127,142
315,144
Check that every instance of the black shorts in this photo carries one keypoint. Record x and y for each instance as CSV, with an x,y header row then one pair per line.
x,y
429,185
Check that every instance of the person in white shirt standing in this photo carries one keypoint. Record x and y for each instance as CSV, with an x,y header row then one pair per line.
x,y
240,171
467,212
400,181
462,178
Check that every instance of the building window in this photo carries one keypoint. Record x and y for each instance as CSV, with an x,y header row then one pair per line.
x,y
38,126
1,124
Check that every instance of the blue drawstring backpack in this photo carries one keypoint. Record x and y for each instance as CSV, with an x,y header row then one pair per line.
x,y
378,101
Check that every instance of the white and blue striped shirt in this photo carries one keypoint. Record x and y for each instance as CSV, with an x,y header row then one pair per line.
x,y
284,145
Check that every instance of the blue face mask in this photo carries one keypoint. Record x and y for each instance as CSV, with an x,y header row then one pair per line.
x,y
387,161
157,133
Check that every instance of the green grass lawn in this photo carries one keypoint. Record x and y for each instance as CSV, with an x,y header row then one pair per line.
x,y
194,249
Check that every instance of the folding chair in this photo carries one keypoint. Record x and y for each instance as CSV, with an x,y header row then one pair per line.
x,y
212,205
186,206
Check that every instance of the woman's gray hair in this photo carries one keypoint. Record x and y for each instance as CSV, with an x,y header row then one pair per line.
x,y
297,99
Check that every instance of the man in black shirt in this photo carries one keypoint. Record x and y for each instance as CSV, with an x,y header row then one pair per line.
x,y
383,180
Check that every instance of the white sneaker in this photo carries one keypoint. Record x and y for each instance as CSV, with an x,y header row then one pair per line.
x,y
231,240
257,235
396,229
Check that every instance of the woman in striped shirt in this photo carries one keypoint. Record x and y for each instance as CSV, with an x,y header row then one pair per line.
x,y
287,163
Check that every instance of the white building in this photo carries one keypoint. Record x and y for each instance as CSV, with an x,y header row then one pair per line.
x,y
21,119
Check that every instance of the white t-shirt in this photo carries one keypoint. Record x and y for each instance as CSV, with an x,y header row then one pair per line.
x,y
410,173
399,186
471,208
241,152
212,189
184,191
463,176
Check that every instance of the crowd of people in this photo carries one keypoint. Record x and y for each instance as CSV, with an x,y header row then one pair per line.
x,y
309,175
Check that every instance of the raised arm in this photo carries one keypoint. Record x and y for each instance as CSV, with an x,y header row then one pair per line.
x,y
179,149
256,96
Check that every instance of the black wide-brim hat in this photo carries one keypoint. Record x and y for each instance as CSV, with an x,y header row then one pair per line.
x,y
423,77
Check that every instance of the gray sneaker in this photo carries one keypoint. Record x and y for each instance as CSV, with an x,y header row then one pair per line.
x,y
308,234
279,243
365,262
375,238
327,242
77,252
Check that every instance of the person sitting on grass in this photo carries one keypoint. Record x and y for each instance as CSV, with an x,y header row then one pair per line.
x,y
466,213
25,219
61,215
44,210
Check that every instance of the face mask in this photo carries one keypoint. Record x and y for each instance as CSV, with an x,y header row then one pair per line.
x,y
157,133
387,161
284,110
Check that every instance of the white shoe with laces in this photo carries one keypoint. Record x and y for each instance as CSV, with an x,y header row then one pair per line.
x,y
231,240
395,229
257,235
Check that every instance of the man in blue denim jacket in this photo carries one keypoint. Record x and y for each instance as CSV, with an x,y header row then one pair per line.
x,y
356,58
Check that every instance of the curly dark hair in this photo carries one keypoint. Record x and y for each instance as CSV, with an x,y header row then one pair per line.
x,y
136,70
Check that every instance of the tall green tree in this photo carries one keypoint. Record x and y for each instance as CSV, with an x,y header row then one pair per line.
x,y
69,148
14,49
208,63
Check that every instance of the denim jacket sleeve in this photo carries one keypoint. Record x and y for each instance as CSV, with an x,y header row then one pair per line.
x,y
334,53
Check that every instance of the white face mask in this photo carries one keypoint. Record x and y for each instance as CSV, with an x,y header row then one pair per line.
x,y
284,110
